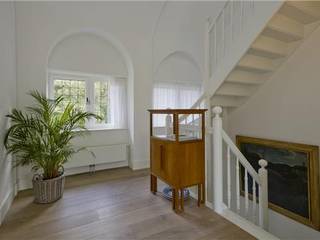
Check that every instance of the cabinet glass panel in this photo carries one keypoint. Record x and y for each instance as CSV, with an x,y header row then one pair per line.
x,y
190,127
163,127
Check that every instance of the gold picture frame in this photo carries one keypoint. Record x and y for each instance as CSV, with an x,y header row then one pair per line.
x,y
311,169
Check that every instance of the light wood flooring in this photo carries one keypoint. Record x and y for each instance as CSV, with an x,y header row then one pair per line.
x,y
112,204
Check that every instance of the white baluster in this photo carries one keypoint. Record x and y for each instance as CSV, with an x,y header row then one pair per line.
x,y
192,125
231,21
168,125
246,198
208,141
238,185
252,7
217,161
254,199
215,47
228,177
263,195
241,16
223,33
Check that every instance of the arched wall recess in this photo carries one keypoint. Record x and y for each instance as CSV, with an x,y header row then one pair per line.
x,y
99,33
178,66
86,52
126,58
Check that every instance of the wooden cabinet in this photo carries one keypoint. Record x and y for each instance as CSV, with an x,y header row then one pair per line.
x,y
177,151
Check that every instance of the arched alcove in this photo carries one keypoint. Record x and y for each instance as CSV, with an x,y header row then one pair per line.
x,y
122,64
177,83
178,67
116,44
89,53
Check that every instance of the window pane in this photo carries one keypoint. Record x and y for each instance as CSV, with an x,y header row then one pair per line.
x,y
73,91
102,101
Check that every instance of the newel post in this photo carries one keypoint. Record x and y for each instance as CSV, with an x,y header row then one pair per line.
x,y
217,161
263,195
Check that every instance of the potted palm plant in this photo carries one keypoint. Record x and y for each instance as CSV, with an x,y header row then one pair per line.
x,y
41,137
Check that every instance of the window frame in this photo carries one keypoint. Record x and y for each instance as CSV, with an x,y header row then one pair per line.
x,y
89,80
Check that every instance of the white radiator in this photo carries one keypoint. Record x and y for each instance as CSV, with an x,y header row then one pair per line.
x,y
101,155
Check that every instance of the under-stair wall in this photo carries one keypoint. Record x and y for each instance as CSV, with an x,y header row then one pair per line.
x,y
286,108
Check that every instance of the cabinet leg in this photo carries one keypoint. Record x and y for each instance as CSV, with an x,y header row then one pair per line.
x,y
199,194
203,193
182,199
173,199
153,184
176,200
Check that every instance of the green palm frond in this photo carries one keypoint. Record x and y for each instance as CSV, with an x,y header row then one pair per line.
x,y
41,137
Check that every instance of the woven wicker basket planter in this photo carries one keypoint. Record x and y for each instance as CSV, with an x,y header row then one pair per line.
x,y
47,191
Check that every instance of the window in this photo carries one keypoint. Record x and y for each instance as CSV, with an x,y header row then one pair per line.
x,y
92,93
173,95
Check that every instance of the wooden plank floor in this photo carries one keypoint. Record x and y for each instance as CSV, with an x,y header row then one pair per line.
x,y
112,204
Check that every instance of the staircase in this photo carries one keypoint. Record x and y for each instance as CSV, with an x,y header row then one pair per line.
x,y
281,36
245,45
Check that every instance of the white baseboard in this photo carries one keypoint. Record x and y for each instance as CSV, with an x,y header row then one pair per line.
x,y
137,165
6,204
247,226
195,196
24,184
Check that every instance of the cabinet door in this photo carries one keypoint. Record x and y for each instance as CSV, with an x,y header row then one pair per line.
x,y
164,158
192,166
157,157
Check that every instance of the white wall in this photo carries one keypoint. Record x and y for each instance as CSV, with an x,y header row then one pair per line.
x,y
286,108
7,101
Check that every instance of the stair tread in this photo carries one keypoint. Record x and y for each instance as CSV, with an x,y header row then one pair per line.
x,y
236,89
268,47
303,12
256,64
227,101
246,77
284,29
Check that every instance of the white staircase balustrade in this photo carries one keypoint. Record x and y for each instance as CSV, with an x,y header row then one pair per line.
x,y
245,175
230,35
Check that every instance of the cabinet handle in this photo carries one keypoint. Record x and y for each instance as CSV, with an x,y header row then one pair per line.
x,y
161,156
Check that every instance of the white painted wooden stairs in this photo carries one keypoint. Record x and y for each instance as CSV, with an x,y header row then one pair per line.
x,y
282,35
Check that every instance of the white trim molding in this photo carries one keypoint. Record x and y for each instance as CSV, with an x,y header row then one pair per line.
x,y
137,165
7,202
247,226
